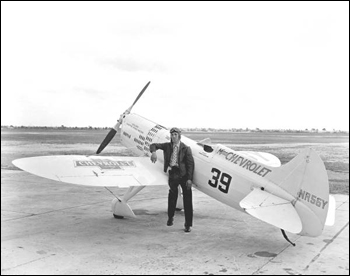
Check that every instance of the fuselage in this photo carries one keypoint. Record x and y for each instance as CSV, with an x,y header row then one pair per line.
x,y
223,173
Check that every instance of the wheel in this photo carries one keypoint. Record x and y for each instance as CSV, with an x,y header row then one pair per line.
x,y
118,217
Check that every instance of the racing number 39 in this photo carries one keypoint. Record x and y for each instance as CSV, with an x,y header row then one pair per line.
x,y
224,178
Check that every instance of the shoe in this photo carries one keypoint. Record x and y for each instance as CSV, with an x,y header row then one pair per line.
x,y
187,228
170,222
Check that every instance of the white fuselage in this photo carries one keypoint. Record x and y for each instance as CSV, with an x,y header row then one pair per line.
x,y
223,174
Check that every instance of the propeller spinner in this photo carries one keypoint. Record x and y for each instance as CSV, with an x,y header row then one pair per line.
x,y
114,130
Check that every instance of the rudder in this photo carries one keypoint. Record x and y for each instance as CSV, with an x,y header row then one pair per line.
x,y
305,178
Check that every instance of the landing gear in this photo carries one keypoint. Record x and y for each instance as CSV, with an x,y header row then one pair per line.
x,y
180,201
120,208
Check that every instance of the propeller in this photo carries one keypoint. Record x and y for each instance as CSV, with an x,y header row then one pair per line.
x,y
115,129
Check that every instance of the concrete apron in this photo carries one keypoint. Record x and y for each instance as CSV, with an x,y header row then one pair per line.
x,y
53,228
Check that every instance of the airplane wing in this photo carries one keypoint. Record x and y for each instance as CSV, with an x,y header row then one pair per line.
x,y
118,171
273,210
267,159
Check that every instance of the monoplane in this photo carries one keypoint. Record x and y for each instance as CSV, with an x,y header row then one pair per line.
x,y
293,197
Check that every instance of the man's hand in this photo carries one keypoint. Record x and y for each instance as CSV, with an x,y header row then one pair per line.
x,y
154,157
189,184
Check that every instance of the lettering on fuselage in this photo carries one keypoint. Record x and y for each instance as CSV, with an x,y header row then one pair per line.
x,y
308,197
126,134
150,135
139,144
244,163
104,164
136,127
141,135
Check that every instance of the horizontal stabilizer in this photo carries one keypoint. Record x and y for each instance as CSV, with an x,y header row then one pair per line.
x,y
272,209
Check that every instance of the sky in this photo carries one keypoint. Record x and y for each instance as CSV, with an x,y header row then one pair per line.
x,y
267,65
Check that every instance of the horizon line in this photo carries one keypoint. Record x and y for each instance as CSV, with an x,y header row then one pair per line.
x,y
189,128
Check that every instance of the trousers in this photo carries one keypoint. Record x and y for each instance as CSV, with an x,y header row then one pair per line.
x,y
175,180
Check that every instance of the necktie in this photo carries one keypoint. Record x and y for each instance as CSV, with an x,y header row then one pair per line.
x,y
173,160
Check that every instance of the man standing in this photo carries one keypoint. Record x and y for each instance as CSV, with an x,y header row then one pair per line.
x,y
179,158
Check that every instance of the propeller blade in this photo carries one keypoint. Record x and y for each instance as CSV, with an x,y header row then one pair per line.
x,y
114,130
107,139
139,96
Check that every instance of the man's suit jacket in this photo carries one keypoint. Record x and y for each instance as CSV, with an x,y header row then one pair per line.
x,y
185,158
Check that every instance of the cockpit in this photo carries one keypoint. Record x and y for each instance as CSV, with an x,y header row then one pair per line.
x,y
206,144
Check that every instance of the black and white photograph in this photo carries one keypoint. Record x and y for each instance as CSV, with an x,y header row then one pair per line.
x,y
174,138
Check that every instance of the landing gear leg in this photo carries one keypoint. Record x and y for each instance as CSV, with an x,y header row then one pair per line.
x,y
179,202
120,208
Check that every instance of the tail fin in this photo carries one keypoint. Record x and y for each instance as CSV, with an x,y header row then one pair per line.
x,y
305,178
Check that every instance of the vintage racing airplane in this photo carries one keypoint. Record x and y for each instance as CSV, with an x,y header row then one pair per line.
x,y
293,197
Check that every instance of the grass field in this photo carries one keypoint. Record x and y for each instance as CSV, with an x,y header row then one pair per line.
x,y
332,147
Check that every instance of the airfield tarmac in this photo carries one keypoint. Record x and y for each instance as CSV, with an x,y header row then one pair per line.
x,y
49,227
57,228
